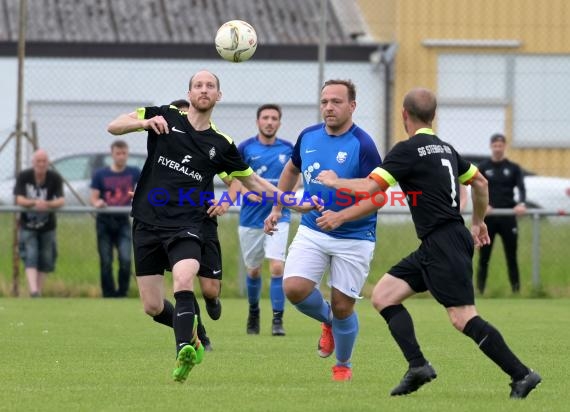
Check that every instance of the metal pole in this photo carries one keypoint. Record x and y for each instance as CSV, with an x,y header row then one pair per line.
x,y
387,58
34,137
536,250
322,52
18,156
20,97
387,107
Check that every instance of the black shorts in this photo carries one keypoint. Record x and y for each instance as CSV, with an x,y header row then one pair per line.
x,y
211,264
159,248
443,264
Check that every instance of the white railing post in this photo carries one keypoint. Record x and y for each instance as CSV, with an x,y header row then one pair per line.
x,y
536,250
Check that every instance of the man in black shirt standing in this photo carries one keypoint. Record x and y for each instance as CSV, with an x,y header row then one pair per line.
x,y
430,168
40,191
185,152
503,176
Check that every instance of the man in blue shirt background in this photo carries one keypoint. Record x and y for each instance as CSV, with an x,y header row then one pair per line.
x,y
266,154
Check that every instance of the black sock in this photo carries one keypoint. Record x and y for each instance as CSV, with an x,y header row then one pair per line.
x,y
210,301
197,310
201,332
200,329
492,344
402,328
254,307
278,314
183,318
166,316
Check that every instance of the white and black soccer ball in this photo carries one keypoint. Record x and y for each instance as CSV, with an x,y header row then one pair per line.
x,y
236,41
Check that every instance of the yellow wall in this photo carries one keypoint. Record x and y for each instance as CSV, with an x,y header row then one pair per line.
x,y
543,26
380,17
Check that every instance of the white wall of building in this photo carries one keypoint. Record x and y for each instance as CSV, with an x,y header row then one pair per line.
x,y
72,100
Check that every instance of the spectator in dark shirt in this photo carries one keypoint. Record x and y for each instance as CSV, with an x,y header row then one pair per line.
x,y
503,176
110,186
40,190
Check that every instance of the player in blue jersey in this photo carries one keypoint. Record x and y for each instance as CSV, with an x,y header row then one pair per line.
x,y
340,145
267,155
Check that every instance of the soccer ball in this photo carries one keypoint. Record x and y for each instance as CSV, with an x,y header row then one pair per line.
x,y
236,41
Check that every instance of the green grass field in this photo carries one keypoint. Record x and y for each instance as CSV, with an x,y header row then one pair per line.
x,y
77,272
106,355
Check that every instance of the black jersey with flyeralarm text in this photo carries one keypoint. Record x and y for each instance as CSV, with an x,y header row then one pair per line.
x,y
428,169
175,181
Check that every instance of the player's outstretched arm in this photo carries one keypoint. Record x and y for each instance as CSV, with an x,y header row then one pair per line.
x,y
128,123
220,206
331,220
288,182
286,199
289,179
349,186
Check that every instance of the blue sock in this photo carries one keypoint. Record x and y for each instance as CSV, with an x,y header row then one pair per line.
x,y
316,307
276,294
344,332
253,291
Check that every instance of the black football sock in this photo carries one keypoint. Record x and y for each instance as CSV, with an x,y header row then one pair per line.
x,y
402,328
201,329
210,301
197,309
183,318
166,316
492,344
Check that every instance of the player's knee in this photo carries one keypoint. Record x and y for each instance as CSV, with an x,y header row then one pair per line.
x,y
276,267
377,302
459,318
342,310
296,290
295,295
210,291
458,324
153,308
380,299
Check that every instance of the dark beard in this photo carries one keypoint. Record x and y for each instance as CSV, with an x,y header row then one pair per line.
x,y
202,109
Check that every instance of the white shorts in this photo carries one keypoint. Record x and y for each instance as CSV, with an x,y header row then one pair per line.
x,y
311,253
256,245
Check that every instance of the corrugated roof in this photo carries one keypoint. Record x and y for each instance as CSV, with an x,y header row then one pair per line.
x,y
291,22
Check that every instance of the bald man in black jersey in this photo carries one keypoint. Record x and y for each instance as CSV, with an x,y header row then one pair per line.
x,y
442,264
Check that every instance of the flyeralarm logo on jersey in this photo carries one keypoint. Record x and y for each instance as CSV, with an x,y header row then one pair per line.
x,y
182,167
